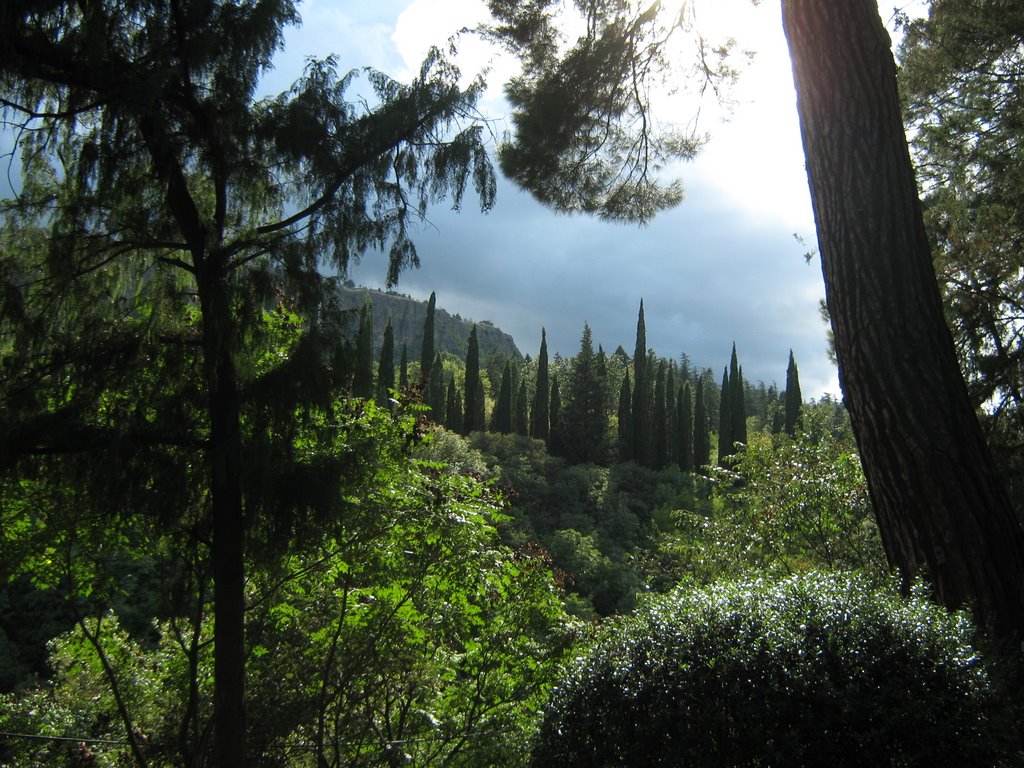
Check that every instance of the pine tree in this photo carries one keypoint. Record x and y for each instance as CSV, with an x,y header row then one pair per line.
x,y
501,419
660,422
453,407
479,415
724,420
386,367
362,380
540,413
472,385
684,416
520,419
641,395
794,400
427,346
625,429
701,436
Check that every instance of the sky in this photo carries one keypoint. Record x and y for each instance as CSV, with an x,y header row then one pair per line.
x,y
727,266
724,267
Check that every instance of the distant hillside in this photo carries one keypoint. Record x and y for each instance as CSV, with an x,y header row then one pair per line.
x,y
451,332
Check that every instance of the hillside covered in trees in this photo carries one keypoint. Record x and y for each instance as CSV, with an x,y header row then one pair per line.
x,y
238,530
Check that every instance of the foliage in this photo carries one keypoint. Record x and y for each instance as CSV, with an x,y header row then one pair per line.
x,y
814,670
404,628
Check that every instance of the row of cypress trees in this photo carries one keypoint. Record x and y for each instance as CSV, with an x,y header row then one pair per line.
x,y
663,417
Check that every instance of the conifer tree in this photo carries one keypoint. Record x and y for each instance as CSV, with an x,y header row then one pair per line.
x,y
436,395
520,419
701,436
641,395
794,400
472,386
479,420
660,421
684,417
362,380
625,428
501,419
453,407
670,414
584,424
737,404
403,367
540,413
386,366
427,346
724,420
555,413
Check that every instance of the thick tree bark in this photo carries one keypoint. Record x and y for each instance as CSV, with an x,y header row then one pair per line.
x,y
228,519
940,505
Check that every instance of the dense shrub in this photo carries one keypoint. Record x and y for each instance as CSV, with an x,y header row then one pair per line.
x,y
815,670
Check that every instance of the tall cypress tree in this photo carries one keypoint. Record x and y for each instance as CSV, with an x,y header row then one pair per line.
x,y
453,407
436,395
701,436
724,420
472,384
737,403
684,417
641,395
794,400
670,414
540,413
660,421
386,366
427,346
403,367
625,429
362,380
555,413
501,419
479,415
520,419
584,426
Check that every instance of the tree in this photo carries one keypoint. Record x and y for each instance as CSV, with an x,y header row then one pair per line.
x,y
725,438
555,442
520,419
167,163
584,425
473,386
660,453
793,398
436,395
453,407
362,375
539,413
939,501
641,395
684,414
427,347
625,427
701,436
386,366
737,401
501,419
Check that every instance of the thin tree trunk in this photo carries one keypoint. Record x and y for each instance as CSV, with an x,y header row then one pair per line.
x,y
940,505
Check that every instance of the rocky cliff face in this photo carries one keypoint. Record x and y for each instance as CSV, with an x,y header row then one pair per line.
x,y
451,332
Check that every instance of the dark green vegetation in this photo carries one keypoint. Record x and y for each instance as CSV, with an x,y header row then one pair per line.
x,y
813,670
248,546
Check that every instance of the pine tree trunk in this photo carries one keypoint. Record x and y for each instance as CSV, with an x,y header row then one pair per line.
x,y
228,522
940,505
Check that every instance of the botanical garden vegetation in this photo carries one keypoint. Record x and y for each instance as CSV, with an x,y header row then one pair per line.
x,y
235,534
